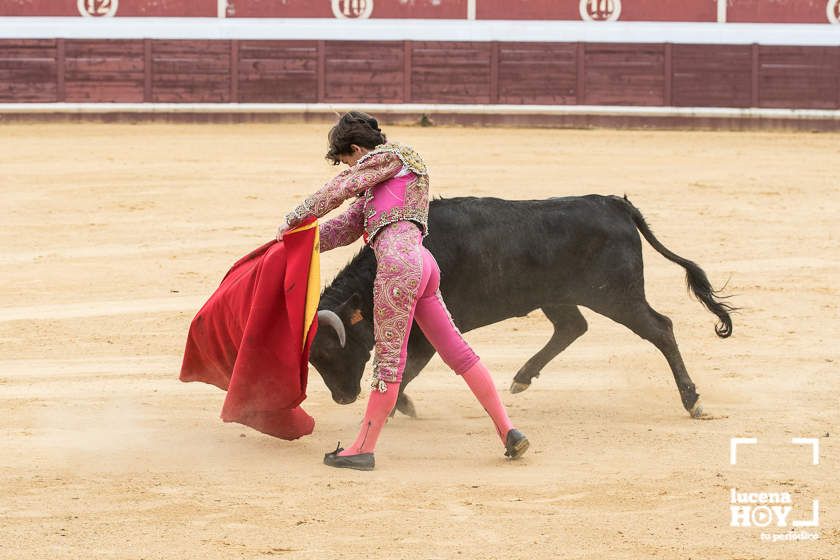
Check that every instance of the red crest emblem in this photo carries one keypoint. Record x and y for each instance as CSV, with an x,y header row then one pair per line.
x,y
97,8
832,10
600,10
352,9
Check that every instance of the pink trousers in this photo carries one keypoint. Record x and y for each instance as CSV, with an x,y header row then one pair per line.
x,y
407,288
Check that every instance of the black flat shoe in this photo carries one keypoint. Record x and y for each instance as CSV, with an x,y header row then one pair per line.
x,y
360,462
516,444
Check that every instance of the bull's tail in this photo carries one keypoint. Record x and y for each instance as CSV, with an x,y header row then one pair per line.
x,y
696,280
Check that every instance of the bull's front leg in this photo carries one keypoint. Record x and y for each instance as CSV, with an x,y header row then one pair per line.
x,y
419,352
569,324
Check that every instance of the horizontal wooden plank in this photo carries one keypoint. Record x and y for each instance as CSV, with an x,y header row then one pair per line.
x,y
190,96
378,76
31,65
28,91
364,45
278,54
451,60
350,67
247,44
270,67
104,65
363,93
28,54
112,92
163,80
185,47
26,43
191,66
74,48
279,91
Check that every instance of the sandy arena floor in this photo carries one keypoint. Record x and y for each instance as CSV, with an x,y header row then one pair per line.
x,y
113,235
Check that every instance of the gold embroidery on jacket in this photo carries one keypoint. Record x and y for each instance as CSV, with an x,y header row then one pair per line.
x,y
415,206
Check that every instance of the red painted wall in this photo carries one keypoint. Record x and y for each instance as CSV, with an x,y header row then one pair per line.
x,y
419,72
127,8
425,9
757,11
777,11
273,8
631,10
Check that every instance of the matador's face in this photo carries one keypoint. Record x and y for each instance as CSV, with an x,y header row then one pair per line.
x,y
351,158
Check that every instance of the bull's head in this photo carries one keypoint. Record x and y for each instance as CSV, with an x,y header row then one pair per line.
x,y
341,348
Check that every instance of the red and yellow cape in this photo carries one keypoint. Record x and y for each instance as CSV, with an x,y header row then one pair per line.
x,y
253,335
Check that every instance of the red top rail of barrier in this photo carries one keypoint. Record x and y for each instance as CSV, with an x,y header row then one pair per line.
x,y
735,11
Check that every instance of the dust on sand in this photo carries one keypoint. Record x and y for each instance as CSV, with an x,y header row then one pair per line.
x,y
115,234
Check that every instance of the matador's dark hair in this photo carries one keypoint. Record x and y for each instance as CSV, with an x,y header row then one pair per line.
x,y
354,127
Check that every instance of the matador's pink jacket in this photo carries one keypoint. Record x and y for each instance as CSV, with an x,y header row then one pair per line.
x,y
391,183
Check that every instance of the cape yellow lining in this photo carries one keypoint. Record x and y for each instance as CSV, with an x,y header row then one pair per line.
x,y
313,285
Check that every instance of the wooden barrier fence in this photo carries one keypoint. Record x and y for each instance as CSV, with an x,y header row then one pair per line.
x,y
261,71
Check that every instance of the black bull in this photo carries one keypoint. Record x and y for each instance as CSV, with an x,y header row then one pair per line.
x,y
505,258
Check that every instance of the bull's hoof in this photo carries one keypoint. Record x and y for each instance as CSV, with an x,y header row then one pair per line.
x,y
517,387
696,411
405,406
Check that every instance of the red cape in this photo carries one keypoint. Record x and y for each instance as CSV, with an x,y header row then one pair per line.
x,y
253,335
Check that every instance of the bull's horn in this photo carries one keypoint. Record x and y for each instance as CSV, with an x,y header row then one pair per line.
x,y
331,319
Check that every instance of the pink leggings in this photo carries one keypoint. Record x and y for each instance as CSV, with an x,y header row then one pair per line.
x,y
407,288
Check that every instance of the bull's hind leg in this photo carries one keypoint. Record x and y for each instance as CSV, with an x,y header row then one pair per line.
x,y
643,320
569,325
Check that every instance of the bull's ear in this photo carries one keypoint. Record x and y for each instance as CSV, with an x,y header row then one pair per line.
x,y
351,309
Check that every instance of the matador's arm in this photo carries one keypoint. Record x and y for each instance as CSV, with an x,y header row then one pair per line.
x,y
350,182
344,228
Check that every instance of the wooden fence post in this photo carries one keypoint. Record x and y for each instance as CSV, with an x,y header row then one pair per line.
x,y
581,74
494,72
668,97
407,70
60,69
322,71
234,71
755,98
147,70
